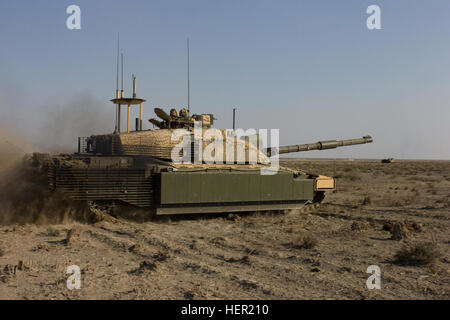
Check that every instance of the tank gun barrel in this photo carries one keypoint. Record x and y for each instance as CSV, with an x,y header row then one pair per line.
x,y
320,145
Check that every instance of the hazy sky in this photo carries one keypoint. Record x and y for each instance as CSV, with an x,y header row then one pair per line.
x,y
310,68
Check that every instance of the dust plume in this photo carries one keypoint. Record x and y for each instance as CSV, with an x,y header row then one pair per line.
x,y
24,194
12,147
80,116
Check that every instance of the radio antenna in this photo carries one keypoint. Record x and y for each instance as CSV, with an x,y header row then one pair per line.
x,y
117,127
188,88
117,75
122,74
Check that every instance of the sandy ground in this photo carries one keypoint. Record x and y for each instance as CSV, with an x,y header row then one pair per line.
x,y
252,256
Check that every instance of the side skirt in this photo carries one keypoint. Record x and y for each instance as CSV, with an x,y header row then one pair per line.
x,y
225,208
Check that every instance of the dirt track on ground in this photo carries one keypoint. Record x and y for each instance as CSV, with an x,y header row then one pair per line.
x,y
252,256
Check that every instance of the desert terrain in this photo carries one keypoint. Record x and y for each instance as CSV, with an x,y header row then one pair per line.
x,y
395,216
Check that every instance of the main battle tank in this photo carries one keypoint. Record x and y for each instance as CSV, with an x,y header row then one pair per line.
x,y
144,169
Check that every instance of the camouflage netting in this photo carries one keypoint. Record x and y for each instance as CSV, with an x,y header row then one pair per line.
x,y
158,143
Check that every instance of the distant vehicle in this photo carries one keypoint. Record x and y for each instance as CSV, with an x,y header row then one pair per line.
x,y
388,160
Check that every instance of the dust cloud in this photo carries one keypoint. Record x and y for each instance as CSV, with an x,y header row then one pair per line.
x,y
81,116
24,194
53,124
25,198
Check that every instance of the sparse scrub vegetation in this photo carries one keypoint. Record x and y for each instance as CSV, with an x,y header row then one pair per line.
x,y
418,254
52,232
353,177
359,226
366,201
304,242
244,259
161,256
72,236
394,200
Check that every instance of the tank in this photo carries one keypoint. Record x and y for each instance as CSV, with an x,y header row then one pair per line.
x,y
143,169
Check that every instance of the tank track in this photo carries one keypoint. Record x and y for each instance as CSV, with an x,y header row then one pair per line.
x,y
104,211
